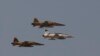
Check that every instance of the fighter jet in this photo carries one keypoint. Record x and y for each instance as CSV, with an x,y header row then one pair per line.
x,y
24,43
48,24
53,36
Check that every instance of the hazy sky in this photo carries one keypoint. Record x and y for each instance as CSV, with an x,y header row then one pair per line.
x,y
82,19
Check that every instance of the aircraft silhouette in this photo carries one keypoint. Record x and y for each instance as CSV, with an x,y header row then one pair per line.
x,y
53,36
49,24
24,43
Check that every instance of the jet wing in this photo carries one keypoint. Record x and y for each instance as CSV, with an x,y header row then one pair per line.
x,y
44,24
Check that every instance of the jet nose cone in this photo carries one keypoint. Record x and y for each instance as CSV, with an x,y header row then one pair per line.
x,y
41,44
62,24
69,36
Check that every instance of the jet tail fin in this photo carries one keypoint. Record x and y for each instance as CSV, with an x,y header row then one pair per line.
x,y
36,20
15,40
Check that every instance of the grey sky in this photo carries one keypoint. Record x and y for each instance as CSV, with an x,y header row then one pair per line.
x,y
80,16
